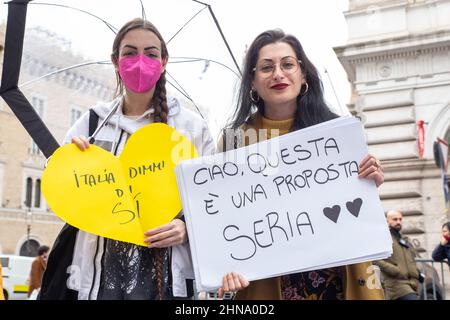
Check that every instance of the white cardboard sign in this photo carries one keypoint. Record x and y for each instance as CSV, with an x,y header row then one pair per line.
x,y
285,205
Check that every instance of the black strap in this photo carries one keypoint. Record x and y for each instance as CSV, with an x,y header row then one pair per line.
x,y
224,140
118,142
235,141
54,281
93,121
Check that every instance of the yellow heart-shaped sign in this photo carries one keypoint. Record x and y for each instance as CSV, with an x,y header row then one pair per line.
x,y
119,198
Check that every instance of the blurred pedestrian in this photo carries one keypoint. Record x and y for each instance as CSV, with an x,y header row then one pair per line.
x,y
401,276
37,271
442,251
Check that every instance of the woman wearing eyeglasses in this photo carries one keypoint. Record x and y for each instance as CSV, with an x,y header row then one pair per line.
x,y
281,92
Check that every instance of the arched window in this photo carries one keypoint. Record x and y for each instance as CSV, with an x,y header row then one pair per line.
x,y
29,248
37,194
29,192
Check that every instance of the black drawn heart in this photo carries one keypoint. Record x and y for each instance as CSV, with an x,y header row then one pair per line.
x,y
332,213
355,206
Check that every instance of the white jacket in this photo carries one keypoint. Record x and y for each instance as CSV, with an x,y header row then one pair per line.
x,y
86,263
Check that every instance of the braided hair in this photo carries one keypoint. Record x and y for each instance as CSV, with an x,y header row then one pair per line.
x,y
159,255
160,100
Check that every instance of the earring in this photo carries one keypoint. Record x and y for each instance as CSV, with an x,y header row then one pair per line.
x,y
307,88
251,96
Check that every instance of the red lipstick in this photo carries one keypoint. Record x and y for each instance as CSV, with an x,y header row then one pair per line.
x,y
279,86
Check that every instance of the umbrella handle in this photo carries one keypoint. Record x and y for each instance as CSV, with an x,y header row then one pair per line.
x,y
91,138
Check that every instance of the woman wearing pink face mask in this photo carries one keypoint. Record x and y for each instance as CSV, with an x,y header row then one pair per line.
x,y
102,268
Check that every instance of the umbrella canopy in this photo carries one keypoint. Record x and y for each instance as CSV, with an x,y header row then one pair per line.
x,y
65,62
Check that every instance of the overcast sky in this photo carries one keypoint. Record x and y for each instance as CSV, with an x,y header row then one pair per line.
x,y
319,24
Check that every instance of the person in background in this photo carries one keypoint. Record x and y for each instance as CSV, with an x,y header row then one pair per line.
x,y
37,269
401,276
442,251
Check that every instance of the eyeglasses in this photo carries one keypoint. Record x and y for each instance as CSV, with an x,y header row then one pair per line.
x,y
288,65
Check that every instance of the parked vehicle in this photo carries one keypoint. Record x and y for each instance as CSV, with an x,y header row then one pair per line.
x,y
15,273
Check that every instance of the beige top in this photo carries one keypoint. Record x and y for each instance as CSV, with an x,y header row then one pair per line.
x,y
258,121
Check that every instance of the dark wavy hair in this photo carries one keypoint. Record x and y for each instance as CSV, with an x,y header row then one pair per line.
x,y
159,100
447,224
311,106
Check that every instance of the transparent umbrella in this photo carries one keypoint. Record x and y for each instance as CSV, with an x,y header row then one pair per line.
x,y
69,42
66,66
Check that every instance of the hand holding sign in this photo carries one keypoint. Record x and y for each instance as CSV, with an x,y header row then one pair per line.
x,y
119,198
275,204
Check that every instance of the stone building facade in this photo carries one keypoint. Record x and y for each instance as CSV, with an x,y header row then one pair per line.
x,y
25,219
398,61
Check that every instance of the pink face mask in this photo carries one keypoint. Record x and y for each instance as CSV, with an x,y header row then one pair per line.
x,y
140,72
